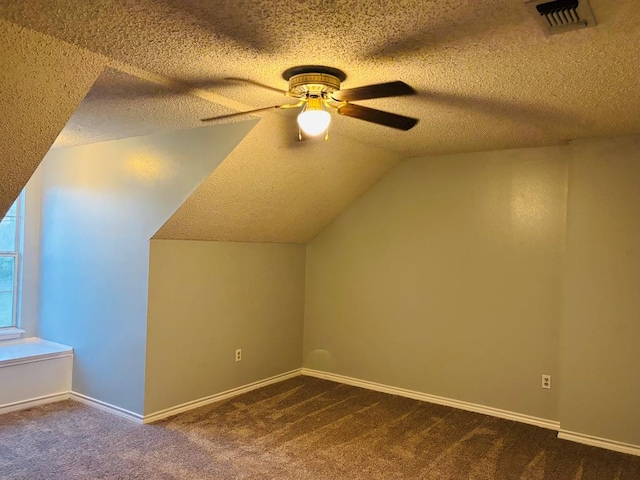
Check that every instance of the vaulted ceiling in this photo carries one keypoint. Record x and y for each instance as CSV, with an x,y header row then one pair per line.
x,y
487,78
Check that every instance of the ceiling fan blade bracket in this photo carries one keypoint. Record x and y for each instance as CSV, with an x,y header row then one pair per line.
x,y
292,105
248,112
257,84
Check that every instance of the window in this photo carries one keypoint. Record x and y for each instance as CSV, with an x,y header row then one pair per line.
x,y
9,261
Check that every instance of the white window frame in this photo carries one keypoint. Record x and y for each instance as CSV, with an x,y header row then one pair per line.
x,y
13,331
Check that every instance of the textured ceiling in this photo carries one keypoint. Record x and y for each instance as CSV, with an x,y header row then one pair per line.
x,y
120,105
41,83
487,77
272,188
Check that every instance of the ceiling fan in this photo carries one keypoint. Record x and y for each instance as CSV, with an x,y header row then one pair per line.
x,y
317,89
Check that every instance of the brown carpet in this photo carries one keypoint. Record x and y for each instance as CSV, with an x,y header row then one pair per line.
x,y
302,428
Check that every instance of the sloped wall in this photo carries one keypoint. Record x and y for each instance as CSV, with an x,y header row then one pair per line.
x,y
101,204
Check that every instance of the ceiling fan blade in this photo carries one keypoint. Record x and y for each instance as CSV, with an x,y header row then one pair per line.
x,y
258,84
237,114
380,90
387,119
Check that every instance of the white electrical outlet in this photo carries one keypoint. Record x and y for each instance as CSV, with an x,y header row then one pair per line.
x,y
238,355
546,381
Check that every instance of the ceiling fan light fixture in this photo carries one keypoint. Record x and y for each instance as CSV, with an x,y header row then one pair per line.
x,y
314,119
317,89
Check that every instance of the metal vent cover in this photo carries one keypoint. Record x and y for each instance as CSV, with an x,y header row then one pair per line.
x,y
558,16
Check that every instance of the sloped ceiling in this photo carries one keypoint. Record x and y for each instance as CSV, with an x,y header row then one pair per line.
x,y
120,105
487,77
41,83
270,191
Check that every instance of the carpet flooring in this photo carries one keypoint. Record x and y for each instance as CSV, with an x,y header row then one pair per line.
x,y
303,428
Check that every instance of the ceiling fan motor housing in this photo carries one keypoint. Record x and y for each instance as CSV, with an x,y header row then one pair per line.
x,y
312,84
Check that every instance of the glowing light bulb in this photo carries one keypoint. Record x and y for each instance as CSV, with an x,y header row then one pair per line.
x,y
314,122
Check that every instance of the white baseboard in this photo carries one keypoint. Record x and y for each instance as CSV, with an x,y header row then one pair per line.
x,y
168,412
471,407
599,442
425,397
107,407
33,402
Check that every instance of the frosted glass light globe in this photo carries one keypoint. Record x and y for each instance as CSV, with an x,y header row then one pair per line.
x,y
314,122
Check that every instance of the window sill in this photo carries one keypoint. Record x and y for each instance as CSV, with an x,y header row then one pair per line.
x,y
33,349
10,333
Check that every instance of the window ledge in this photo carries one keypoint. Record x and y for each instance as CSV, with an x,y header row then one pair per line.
x,y
10,333
27,350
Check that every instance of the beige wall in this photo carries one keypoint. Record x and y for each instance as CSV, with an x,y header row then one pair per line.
x,y
206,299
445,278
468,276
600,340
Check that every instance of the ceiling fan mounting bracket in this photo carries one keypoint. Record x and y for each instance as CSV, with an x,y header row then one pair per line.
x,y
297,70
306,84
305,80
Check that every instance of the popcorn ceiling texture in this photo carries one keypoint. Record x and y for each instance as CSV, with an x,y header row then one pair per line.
x,y
283,194
41,83
488,79
120,105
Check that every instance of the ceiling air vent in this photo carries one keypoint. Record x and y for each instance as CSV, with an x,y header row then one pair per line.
x,y
560,16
